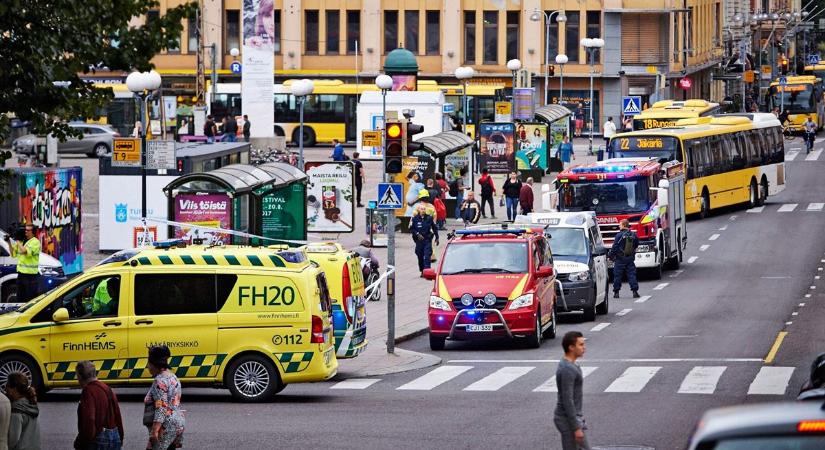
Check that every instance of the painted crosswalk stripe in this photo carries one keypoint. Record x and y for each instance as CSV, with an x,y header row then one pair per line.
x,y
703,247
814,155
692,259
356,383
623,312
660,286
550,385
634,379
815,206
600,326
500,378
788,207
771,381
434,378
713,237
702,380
790,156
758,209
643,299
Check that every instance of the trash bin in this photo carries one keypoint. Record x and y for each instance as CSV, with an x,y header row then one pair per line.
x,y
600,154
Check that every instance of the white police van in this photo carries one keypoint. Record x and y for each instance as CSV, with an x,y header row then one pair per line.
x,y
579,258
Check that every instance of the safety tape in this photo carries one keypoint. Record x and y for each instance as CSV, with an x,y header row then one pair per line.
x,y
226,231
375,284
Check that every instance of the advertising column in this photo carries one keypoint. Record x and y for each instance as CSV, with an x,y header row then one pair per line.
x,y
257,87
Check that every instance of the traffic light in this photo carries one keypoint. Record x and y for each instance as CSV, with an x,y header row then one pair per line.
x,y
394,146
409,146
784,62
552,70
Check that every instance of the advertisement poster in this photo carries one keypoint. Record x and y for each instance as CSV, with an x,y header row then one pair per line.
x,y
454,162
282,213
415,170
330,188
51,201
579,103
377,227
404,83
524,104
558,130
207,210
257,88
531,141
497,150
118,204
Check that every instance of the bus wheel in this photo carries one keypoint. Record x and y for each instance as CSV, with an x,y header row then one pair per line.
x,y
763,192
279,131
309,136
705,208
754,195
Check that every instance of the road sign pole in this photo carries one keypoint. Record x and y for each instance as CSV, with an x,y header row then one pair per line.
x,y
143,158
390,235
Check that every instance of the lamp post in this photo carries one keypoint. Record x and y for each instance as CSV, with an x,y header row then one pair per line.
x,y
384,82
142,84
513,65
592,45
463,74
300,89
536,16
561,60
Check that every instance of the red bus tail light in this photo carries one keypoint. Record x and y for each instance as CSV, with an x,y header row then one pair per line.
x,y
317,331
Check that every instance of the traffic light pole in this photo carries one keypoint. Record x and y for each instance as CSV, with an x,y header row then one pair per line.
x,y
390,236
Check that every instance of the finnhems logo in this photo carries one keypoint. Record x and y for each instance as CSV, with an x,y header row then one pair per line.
x,y
121,214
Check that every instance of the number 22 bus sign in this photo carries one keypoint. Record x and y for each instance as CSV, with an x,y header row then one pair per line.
x,y
685,83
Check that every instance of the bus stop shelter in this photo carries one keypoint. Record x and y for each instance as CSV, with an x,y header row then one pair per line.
x,y
444,147
558,122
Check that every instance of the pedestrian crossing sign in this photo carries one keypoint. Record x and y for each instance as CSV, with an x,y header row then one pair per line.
x,y
631,105
389,196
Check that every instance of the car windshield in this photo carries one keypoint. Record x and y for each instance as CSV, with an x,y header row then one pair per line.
x,y
568,242
606,197
795,98
31,303
485,257
123,255
795,442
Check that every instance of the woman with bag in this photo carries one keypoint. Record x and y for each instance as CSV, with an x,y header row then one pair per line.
x,y
24,430
99,424
161,406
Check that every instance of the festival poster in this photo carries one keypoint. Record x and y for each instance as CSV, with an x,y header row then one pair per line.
x,y
206,210
404,83
497,150
412,167
51,201
258,63
330,191
531,141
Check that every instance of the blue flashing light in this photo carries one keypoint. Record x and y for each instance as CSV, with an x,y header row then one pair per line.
x,y
168,243
471,313
441,318
482,232
603,169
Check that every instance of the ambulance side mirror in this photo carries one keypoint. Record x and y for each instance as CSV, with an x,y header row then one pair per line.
x,y
61,315
429,274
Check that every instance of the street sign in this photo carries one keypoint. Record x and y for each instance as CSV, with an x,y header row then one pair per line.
x,y
631,105
389,196
813,59
783,81
126,152
160,155
448,108
370,138
504,112
748,76
235,67
685,83
653,70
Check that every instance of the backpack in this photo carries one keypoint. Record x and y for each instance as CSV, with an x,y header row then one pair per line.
x,y
454,188
628,245
440,209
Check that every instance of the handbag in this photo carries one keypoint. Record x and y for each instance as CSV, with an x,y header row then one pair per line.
x,y
148,414
501,201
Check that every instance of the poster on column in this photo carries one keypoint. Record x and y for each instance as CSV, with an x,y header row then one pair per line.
x,y
531,141
206,210
330,192
497,152
257,87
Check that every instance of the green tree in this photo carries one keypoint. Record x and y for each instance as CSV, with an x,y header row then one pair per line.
x,y
43,42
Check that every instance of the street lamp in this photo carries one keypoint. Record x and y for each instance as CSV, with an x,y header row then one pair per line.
x,y
536,16
513,65
384,82
300,89
234,52
561,60
142,84
592,45
463,74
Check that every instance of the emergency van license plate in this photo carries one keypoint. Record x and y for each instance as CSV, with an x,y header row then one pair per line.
x,y
480,327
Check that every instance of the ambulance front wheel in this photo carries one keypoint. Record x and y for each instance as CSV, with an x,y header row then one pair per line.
x,y
253,378
18,362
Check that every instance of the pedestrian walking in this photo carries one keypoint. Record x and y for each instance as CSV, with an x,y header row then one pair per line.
x,y
470,210
609,131
209,129
623,255
511,191
456,189
247,127
230,129
24,430
579,114
338,151
810,133
488,191
423,229
360,176
566,152
569,416
525,198
443,187
161,406
28,264
5,417
99,424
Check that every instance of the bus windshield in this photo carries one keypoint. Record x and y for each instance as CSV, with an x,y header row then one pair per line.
x,y
606,197
660,122
796,98
666,148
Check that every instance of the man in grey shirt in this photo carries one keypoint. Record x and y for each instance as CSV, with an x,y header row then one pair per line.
x,y
568,417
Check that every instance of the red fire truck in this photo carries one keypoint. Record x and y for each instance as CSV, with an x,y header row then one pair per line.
x,y
648,194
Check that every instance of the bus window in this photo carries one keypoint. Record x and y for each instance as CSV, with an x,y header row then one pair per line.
x,y
796,98
486,109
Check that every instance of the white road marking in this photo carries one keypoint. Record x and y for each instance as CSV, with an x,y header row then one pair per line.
x,y
790,156
771,381
775,278
692,259
704,247
660,286
642,299
807,295
815,206
816,277
814,155
624,312
713,237
633,379
702,380
801,304
550,385
733,217
723,228
819,269
676,273
758,209
605,360
356,383
434,378
813,287
794,313
600,326
500,378
788,207
680,336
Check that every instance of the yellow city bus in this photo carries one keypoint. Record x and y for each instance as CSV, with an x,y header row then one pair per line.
x,y
817,70
119,113
330,111
801,98
730,159
665,113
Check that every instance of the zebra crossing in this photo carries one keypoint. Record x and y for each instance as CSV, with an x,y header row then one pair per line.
x,y
788,208
797,154
635,379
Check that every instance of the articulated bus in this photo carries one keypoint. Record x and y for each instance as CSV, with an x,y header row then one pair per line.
x,y
730,159
665,113
801,98
330,111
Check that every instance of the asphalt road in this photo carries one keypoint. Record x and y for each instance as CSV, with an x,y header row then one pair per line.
x,y
699,339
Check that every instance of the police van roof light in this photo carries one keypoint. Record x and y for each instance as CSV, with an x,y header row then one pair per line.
x,y
169,243
481,232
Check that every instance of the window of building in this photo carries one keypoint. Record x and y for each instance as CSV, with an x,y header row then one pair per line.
x,y
512,34
554,36
469,37
490,37
353,30
594,29
276,31
433,31
571,36
311,31
232,39
411,31
390,31
192,36
183,293
689,31
677,39
333,31
717,24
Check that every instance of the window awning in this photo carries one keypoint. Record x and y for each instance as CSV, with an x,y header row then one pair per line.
x,y
239,179
551,113
445,143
